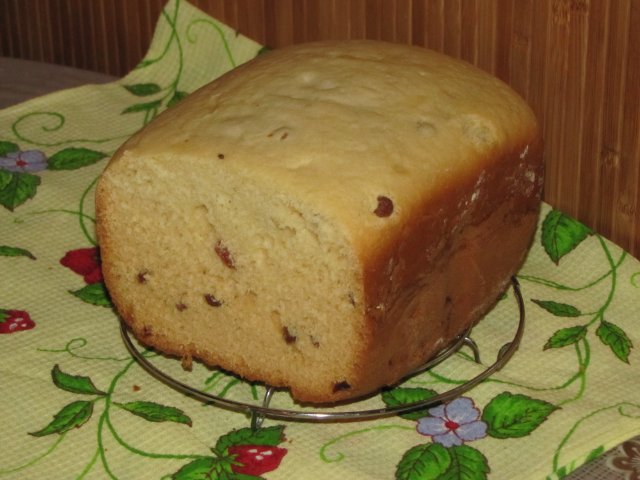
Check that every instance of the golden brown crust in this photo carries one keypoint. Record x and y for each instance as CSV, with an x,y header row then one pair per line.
x,y
421,219
429,283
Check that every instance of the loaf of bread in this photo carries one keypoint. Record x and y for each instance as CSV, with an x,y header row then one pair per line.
x,y
324,218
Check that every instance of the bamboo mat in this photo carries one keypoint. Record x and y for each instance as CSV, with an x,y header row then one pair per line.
x,y
574,61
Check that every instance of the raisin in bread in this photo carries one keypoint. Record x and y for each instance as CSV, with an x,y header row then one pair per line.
x,y
325,217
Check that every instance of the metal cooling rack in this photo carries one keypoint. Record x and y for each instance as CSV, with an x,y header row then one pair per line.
x,y
258,412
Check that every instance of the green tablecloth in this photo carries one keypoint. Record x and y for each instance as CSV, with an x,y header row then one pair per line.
x,y
76,405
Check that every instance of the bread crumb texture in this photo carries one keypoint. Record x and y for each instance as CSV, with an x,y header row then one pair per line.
x,y
280,221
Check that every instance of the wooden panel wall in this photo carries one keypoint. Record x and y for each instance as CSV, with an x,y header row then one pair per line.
x,y
577,63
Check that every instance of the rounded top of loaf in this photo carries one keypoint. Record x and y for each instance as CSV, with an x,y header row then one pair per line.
x,y
342,125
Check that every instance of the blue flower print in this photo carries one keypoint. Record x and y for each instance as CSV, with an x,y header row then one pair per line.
x,y
24,161
453,423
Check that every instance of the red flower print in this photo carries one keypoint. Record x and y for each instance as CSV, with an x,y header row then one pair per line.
x,y
85,262
256,459
12,321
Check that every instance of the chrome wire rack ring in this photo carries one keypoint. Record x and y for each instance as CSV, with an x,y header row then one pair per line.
x,y
259,412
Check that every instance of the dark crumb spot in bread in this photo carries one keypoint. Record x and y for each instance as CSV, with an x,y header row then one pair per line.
x,y
390,362
142,276
425,127
225,255
448,306
221,156
314,341
385,206
187,362
352,299
136,388
281,133
211,300
340,386
288,338
181,307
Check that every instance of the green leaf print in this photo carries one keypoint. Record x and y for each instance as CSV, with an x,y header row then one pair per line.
x,y
177,96
5,178
566,336
616,339
7,251
209,468
561,234
8,147
558,309
73,415
515,415
246,436
72,158
263,50
74,383
595,453
404,396
143,89
20,188
94,294
561,473
143,107
424,462
155,412
467,463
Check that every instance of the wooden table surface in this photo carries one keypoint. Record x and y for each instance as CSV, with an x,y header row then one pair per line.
x,y
21,80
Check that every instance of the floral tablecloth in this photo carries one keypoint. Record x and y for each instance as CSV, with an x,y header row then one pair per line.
x,y
75,404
